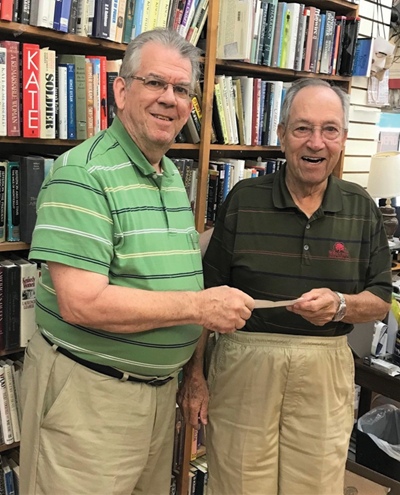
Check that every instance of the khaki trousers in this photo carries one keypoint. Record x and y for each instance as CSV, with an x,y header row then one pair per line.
x,y
84,433
280,415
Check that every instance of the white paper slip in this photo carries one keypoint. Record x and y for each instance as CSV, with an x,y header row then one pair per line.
x,y
261,304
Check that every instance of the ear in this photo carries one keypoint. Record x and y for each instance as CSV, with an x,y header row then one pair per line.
x,y
344,139
120,91
281,135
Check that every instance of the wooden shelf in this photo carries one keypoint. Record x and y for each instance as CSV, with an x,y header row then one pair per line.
x,y
8,353
4,447
185,146
238,147
44,142
13,246
39,33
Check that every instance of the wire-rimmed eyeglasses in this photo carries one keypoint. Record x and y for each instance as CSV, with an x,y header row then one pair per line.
x,y
159,86
329,132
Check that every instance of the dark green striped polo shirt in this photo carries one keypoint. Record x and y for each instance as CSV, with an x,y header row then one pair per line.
x,y
104,209
264,245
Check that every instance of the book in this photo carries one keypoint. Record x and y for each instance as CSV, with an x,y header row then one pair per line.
x,y
79,63
13,198
294,9
314,40
101,19
3,91
284,38
6,10
5,414
113,21
62,102
13,88
298,58
73,17
311,31
12,400
8,476
363,57
30,90
234,25
350,34
28,284
276,45
11,304
120,20
24,11
137,18
337,43
70,97
57,15
3,200
48,93
31,175
269,33
89,99
327,45
317,63
128,26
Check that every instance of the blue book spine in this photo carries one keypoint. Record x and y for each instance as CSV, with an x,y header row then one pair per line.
x,y
64,17
320,42
57,15
227,180
262,105
9,482
13,208
137,18
284,9
71,111
269,36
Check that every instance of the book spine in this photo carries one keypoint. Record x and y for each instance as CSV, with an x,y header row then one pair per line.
x,y
90,9
13,88
320,42
327,45
162,17
6,10
31,90
50,5
16,11
57,15
5,411
137,18
64,17
198,30
3,91
2,346
73,17
314,43
24,12
129,13
62,102
48,91
3,203
113,20
12,402
89,99
28,298
13,205
111,76
71,113
120,20
103,92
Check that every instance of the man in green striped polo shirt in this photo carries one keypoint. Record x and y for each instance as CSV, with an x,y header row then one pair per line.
x,y
281,390
121,304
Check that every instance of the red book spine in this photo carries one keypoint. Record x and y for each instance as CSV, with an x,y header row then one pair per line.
x,y
6,12
13,88
103,92
30,90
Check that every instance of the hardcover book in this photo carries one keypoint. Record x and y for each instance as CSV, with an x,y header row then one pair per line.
x,y
13,88
31,90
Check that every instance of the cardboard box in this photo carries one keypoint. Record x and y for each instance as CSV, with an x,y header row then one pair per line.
x,y
353,482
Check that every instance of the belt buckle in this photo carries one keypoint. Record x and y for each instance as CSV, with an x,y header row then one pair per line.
x,y
158,382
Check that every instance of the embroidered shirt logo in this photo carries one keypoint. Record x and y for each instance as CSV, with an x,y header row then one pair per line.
x,y
339,251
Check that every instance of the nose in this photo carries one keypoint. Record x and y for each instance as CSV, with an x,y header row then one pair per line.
x,y
168,95
316,140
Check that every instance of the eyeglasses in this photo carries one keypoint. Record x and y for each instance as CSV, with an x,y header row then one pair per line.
x,y
159,86
328,132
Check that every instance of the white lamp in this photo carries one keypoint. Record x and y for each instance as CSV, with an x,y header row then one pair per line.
x,y
384,182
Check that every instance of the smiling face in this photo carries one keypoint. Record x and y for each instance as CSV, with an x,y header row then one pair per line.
x,y
311,159
153,119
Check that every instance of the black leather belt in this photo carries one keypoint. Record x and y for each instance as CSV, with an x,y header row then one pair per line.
x,y
108,370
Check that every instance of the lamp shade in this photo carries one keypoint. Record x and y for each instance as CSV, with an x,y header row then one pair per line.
x,y
384,175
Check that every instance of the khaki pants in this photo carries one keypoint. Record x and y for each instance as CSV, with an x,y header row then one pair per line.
x,y
84,433
280,415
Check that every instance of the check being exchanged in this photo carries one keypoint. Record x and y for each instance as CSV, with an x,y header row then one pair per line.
x,y
261,303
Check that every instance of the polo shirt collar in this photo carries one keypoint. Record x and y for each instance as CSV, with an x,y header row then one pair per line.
x,y
137,158
281,197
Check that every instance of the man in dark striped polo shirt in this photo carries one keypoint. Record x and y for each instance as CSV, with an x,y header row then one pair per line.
x,y
120,306
281,389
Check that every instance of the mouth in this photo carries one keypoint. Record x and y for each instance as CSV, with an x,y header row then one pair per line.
x,y
161,117
313,160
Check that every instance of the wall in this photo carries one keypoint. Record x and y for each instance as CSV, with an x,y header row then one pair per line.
x,y
363,133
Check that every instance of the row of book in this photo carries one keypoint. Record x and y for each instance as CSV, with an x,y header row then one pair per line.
x,y
188,169
64,96
289,35
9,473
10,407
114,20
18,281
225,173
20,180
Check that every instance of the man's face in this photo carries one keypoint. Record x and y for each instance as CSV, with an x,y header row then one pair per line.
x,y
152,118
312,158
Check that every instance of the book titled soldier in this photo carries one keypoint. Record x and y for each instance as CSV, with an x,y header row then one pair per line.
x,y
30,90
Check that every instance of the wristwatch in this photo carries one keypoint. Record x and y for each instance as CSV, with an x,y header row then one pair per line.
x,y
341,311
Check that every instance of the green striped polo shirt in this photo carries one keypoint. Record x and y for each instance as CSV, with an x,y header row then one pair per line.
x,y
266,246
103,208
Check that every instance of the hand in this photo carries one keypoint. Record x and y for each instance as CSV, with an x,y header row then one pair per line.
x,y
193,399
318,306
224,309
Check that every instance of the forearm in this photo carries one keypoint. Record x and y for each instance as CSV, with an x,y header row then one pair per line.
x,y
364,307
196,362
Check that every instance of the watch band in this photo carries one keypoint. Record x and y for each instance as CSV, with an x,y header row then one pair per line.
x,y
341,311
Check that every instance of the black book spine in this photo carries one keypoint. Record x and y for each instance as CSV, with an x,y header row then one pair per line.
x,y
11,307
73,16
111,76
15,10
24,11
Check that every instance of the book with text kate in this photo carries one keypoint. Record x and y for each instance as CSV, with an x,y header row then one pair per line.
x,y
30,90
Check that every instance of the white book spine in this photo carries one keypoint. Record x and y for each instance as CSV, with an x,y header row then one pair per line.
x,y
294,8
12,402
3,91
62,103
276,112
5,411
28,299
231,103
15,380
113,23
47,94
43,18
50,13
163,13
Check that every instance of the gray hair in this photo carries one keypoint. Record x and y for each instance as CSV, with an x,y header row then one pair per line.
x,y
299,84
165,37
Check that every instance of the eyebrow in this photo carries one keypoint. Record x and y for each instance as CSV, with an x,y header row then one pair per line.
x,y
305,121
157,76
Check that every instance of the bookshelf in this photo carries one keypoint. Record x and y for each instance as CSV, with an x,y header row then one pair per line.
x,y
205,151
